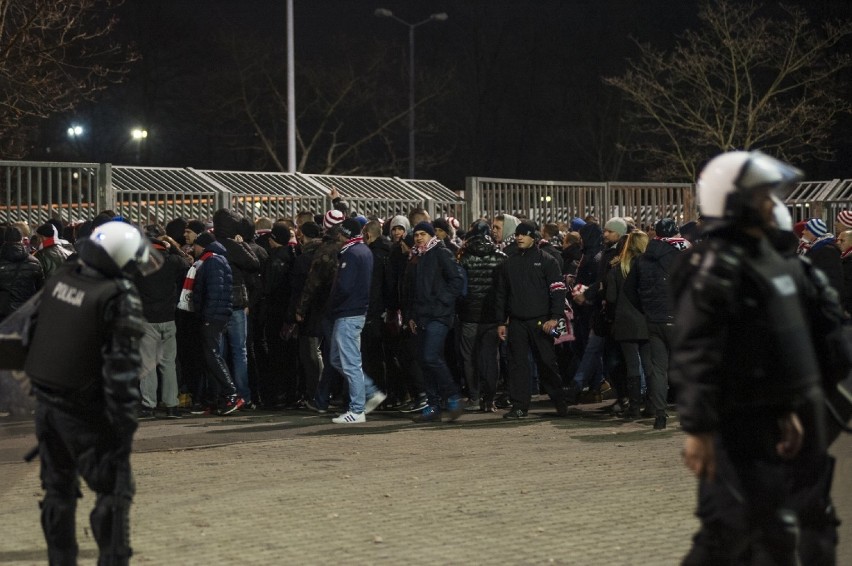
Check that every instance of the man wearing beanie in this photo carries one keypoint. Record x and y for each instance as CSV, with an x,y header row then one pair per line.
x,y
192,230
331,219
347,309
50,254
445,233
21,275
843,221
821,248
530,300
277,381
434,284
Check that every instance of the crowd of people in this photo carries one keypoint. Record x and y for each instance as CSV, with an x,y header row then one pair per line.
x,y
271,313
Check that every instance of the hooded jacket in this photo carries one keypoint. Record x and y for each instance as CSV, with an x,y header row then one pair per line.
x,y
482,260
211,295
159,290
648,287
510,223
21,276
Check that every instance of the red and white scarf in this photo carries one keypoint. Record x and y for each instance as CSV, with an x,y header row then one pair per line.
x,y
676,242
420,250
351,242
185,300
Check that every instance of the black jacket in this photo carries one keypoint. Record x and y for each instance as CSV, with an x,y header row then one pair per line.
x,y
51,258
530,287
434,284
278,280
482,260
159,290
846,264
825,255
244,266
311,325
648,283
628,323
381,283
21,276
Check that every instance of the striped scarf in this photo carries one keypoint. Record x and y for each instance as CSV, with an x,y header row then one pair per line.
x,y
417,250
185,300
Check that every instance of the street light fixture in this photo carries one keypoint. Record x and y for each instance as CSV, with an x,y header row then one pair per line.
x,y
139,134
75,131
440,17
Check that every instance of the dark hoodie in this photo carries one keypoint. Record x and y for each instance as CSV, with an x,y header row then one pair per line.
x,y
243,261
382,284
21,276
211,295
481,259
648,287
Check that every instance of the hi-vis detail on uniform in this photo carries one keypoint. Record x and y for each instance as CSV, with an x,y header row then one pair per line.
x,y
69,294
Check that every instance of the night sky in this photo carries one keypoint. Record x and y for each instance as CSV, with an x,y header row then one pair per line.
x,y
516,85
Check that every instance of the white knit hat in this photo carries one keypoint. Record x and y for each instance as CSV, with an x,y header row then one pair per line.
x,y
332,218
844,218
817,227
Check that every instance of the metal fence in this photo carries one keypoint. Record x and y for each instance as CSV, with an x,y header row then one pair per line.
x,y
35,192
559,201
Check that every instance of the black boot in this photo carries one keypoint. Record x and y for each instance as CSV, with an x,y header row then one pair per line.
x,y
660,421
634,392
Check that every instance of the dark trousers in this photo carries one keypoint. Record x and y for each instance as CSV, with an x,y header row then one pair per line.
x,y
660,336
83,445
330,380
525,336
437,378
219,379
478,345
373,352
189,359
310,359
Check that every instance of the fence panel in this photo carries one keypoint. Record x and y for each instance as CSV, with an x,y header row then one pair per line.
x,y
34,192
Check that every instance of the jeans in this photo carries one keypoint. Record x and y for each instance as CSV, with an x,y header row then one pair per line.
x,y
236,333
345,356
590,370
158,349
437,379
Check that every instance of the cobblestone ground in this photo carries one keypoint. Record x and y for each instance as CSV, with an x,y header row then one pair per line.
x,y
290,488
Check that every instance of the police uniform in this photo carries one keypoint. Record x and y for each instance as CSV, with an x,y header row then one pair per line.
x,y
743,359
84,363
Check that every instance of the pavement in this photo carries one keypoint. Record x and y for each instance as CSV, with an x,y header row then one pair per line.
x,y
292,488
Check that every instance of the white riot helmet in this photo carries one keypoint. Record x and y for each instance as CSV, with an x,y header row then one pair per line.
x,y
728,182
124,246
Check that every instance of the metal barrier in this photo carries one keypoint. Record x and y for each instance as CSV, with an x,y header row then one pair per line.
x,y
36,192
559,201
821,199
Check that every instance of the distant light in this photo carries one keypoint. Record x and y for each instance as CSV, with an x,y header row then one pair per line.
x,y
383,13
441,17
139,134
75,131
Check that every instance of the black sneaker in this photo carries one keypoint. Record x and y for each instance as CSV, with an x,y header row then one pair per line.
x,y
144,414
561,405
416,405
233,404
515,414
503,402
172,413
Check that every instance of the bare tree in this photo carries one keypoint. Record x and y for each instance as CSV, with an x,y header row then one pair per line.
x,y
350,117
53,54
747,79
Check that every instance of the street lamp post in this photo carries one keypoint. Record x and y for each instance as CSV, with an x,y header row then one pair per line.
x,y
385,13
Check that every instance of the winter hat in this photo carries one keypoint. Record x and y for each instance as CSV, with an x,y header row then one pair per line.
x,y
401,221
12,235
196,226
204,239
817,227
666,228
362,220
350,228
577,223
453,222
310,230
280,233
443,225
47,230
154,231
526,228
844,218
799,228
617,225
425,227
480,228
332,218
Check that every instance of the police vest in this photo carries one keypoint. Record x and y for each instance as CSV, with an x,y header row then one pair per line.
x,y
789,358
65,353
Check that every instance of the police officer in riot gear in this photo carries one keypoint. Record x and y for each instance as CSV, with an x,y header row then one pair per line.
x,y
748,377
84,363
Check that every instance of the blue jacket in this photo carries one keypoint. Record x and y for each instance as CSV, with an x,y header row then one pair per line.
x,y
211,294
434,285
350,293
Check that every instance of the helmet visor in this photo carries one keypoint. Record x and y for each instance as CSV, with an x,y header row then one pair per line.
x,y
148,260
761,170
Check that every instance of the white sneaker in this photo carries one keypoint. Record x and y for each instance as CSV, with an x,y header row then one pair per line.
x,y
350,418
373,402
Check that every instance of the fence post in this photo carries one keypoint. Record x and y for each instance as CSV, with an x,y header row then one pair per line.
x,y
106,193
471,196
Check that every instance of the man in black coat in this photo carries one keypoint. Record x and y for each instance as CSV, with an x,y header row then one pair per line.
x,y
21,275
530,300
478,341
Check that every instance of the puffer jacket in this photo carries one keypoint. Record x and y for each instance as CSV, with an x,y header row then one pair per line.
x,y
51,258
211,295
481,259
21,276
649,288
242,259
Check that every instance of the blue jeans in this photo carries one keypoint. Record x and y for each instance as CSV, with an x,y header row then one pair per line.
x,y
345,356
437,379
590,370
235,336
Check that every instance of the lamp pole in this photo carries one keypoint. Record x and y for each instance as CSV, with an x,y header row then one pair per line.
x,y
291,93
385,13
